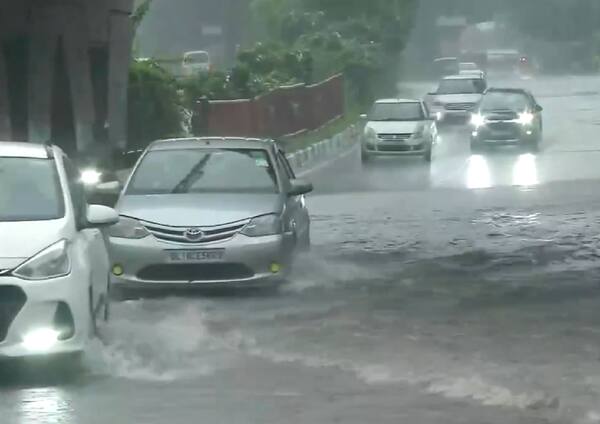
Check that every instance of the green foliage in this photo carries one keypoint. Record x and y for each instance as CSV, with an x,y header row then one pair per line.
x,y
154,104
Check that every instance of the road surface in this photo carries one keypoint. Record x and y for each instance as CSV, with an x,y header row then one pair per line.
x,y
462,292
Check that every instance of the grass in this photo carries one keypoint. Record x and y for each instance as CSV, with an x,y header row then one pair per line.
x,y
294,143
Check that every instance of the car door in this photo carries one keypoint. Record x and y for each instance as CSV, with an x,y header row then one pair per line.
x,y
296,205
89,242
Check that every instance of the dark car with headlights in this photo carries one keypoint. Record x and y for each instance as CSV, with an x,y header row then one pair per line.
x,y
507,116
208,212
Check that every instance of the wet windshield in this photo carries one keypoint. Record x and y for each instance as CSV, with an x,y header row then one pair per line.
x,y
29,190
461,86
396,112
204,171
516,102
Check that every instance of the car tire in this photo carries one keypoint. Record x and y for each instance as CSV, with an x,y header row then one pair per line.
x,y
304,243
365,158
427,156
476,147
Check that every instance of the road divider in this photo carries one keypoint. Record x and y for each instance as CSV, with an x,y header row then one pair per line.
x,y
324,151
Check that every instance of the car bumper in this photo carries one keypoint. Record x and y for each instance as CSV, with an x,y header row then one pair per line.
x,y
413,147
26,307
514,136
454,116
246,262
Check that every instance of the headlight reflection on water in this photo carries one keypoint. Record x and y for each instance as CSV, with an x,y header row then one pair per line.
x,y
45,405
525,171
478,173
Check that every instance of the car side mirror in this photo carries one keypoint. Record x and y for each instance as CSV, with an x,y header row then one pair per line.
x,y
101,216
538,108
111,187
300,187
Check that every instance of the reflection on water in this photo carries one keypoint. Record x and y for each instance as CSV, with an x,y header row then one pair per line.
x,y
45,405
478,172
485,172
525,171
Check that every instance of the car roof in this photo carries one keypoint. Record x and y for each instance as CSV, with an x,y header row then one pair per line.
x,y
211,142
462,77
13,149
384,101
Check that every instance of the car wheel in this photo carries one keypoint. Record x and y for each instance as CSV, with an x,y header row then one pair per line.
x,y
304,243
107,302
93,313
365,158
427,156
476,147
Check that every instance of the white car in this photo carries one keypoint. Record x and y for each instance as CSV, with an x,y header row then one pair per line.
x,y
196,62
456,96
54,266
398,127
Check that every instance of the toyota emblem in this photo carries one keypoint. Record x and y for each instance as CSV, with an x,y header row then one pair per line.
x,y
194,234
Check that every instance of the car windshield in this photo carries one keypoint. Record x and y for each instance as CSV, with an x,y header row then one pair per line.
x,y
461,86
29,190
396,112
468,67
181,171
504,101
196,58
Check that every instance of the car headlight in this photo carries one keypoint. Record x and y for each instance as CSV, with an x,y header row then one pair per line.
x,y
90,177
525,118
266,225
370,135
477,120
128,228
52,262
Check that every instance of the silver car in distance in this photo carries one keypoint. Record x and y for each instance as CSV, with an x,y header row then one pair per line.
x,y
208,212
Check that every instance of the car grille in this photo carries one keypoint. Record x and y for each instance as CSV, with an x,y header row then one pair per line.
x,y
12,300
399,148
210,234
195,272
502,130
459,106
394,137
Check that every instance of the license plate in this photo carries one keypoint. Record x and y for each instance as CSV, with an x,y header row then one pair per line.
x,y
195,256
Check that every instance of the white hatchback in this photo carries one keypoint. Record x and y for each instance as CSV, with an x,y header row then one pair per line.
x,y
53,258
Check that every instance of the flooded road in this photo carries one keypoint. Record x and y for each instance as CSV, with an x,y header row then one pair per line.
x,y
462,292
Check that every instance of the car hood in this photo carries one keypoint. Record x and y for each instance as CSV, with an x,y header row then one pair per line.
x,y
22,240
457,98
394,127
181,210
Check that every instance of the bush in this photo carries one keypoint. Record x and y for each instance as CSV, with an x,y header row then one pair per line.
x,y
154,105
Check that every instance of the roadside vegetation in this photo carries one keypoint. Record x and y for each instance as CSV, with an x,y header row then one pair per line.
x,y
298,41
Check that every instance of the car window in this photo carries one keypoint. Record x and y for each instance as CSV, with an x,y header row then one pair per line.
x,y
408,111
505,101
77,191
204,171
30,190
462,86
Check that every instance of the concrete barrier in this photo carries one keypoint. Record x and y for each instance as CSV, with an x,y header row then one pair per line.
x,y
304,160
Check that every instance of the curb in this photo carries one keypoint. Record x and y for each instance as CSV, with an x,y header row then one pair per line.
x,y
312,156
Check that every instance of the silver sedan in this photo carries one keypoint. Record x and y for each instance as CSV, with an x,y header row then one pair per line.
x,y
208,212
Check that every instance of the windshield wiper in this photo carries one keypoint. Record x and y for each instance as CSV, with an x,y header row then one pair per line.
x,y
195,174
